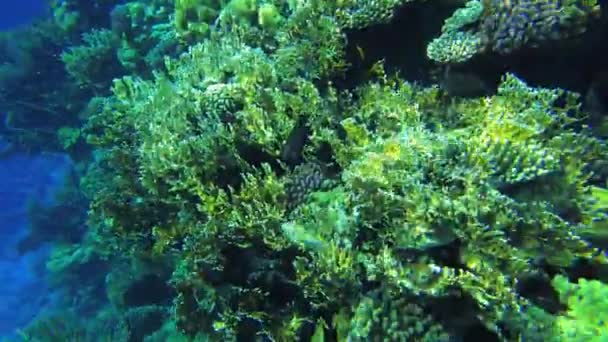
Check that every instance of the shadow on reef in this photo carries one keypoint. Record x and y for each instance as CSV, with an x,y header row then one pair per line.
x,y
578,64
387,42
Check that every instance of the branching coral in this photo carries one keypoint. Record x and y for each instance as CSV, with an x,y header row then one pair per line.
x,y
287,206
357,14
193,17
94,63
394,319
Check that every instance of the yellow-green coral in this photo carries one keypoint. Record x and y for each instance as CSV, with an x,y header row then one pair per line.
x,y
456,45
585,318
193,17
395,198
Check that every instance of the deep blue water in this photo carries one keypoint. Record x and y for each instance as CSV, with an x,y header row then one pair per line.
x,y
23,289
15,13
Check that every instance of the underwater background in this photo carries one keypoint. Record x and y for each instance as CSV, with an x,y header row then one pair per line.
x,y
303,170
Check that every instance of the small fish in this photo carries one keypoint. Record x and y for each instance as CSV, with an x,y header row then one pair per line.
x,y
361,52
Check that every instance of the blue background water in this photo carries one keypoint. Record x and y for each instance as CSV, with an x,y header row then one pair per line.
x,y
23,290
15,13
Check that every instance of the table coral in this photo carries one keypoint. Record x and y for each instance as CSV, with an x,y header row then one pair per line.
x,y
507,26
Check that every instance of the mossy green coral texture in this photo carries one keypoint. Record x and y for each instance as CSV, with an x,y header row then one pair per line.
x,y
501,182
585,318
267,198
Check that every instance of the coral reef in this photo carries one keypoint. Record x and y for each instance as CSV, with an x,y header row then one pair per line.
x,y
239,188
404,193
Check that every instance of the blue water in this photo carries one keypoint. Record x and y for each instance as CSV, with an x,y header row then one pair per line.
x,y
14,13
23,289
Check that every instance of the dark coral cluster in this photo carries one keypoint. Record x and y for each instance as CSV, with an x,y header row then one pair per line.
x,y
509,25
305,180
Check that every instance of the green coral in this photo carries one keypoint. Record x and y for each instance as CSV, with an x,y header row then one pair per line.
x,y
145,37
585,319
456,44
516,163
67,325
68,136
597,230
194,17
287,206
454,47
65,18
356,14
91,63
269,16
381,317
403,190
463,17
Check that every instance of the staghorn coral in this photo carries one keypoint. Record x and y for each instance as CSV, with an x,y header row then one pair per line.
x,y
454,47
456,44
403,188
67,325
144,36
91,64
193,17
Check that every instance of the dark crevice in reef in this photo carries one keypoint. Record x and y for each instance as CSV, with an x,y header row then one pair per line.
x,y
402,52
458,315
150,289
587,269
538,289
573,65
